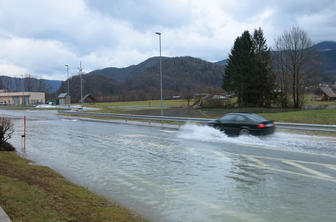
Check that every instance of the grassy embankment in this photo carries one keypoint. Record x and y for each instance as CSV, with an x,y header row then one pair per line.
x,y
37,193
312,116
121,107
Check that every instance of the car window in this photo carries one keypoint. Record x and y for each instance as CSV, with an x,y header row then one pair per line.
x,y
256,117
240,118
228,117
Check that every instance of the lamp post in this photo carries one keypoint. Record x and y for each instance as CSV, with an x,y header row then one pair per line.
x,y
22,91
68,87
80,74
159,33
83,87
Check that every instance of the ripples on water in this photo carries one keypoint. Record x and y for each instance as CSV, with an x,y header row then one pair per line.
x,y
287,141
195,174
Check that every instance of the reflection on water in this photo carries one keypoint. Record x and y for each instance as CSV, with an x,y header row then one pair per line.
x,y
195,174
318,107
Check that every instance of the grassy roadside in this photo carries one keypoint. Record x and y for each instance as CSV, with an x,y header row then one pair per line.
x,y
327,117
37,193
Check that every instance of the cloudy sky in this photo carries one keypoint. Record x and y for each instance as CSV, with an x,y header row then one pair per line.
x,y
39,37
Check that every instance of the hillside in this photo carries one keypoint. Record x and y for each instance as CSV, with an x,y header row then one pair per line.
x,y
326,46
122,74
180,75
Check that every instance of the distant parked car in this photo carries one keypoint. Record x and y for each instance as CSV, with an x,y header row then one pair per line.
x,y
243,124
3,104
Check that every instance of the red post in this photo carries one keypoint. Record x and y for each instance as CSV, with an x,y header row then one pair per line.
x,y
24,135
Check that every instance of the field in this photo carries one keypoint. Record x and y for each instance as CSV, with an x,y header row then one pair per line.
x,y
327,117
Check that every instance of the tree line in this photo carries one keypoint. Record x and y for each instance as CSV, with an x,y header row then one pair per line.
x,y
27,82
261,78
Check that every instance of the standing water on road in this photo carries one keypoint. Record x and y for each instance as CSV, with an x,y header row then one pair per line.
x,y
192,174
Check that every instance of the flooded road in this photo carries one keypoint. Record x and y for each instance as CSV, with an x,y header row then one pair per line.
x,y
190,174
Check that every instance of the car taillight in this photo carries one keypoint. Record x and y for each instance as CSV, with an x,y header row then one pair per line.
x,y
274,124
261,126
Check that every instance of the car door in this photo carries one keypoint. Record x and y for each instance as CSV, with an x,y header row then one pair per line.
x,y
239,122
225,123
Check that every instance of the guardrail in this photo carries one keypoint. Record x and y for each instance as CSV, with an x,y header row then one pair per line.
x,y
296,126
302,126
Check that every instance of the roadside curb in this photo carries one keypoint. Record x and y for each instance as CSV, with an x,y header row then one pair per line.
x,y
3,216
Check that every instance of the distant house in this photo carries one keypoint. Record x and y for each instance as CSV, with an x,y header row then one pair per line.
x,y
323,93
63,99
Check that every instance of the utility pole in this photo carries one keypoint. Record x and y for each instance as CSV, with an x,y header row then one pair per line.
x,y
159,33
80,74
68,87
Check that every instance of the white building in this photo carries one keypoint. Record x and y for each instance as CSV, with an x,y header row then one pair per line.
x,y
22,98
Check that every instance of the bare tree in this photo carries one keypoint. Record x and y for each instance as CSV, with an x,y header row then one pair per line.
x,y
8,83
30,83
296,62
43,86
188,95
154,93
17,84
2,82
6,129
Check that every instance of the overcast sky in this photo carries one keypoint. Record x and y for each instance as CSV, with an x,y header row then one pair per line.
x,y
39,37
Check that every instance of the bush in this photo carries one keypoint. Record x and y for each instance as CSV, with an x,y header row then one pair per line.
x,y
6,147
6,131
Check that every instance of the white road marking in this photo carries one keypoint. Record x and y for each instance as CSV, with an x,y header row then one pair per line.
x,y
168,131
222,155
308,169
331,167
129,135
255,160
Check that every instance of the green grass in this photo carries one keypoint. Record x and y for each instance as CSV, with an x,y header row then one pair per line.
x,y
327,117
121,107
146,103
37,193
313,117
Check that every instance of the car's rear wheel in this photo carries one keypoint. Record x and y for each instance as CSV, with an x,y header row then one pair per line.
x,y
244,132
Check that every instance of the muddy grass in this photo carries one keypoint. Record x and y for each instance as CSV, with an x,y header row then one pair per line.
x,y
37,193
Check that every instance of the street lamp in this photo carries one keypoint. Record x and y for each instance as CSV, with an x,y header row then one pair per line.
x,y
68,87
83,87
80,74
22,91
159,33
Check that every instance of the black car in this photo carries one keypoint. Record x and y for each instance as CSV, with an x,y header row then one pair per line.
x,y
243,124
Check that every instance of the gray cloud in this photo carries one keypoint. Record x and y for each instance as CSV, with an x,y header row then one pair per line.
x,y
146,14
39,37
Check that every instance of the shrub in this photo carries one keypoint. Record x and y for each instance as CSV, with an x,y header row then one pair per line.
x,y
7,147
6,131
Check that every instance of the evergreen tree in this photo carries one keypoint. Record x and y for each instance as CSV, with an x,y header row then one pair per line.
x,y
264,70
249,71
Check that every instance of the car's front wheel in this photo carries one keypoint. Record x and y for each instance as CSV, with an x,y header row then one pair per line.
x,y
244,132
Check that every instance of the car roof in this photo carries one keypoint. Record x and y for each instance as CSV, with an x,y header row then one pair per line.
x,y
242,113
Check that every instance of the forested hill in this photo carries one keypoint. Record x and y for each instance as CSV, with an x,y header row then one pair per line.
x,y
122,74
177,71
180,75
